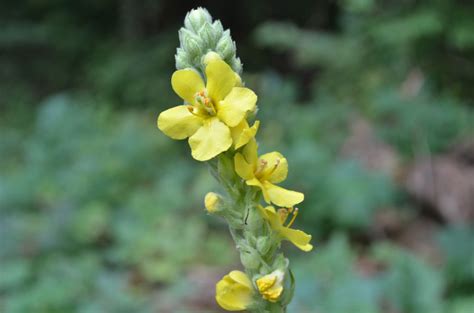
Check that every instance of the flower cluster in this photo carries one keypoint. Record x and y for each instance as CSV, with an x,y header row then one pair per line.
x,y
215,118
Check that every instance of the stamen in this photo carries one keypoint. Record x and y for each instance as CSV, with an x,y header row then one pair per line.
x,y
199,99
261,166
192,110
274,166
295,213
205,103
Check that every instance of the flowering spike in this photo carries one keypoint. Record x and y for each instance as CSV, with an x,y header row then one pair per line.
x,y
215,120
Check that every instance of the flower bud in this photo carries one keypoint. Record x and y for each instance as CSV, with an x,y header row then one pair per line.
x,y
201,35
226,46
208,35
250,259
192,46
211,56
263,244
225,168
181,59
212,202
196,18
254,221
236,64
218,29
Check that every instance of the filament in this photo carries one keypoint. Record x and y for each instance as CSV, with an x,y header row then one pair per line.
x,y
295,213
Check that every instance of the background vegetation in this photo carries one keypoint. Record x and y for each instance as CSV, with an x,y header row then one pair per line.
x,y
371,101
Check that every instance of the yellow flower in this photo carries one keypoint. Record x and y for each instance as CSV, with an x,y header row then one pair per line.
x,y
264,172
234,291
211,111
270,286
277,221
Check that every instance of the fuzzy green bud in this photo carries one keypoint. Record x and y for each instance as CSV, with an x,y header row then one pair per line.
x,y
196,18
263,244
208,34
254,221
281,262
201,35
225,169
250,259
225,45
192,45
181,59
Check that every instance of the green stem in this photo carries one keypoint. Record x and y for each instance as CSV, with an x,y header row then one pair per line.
x,y
246,230
276,308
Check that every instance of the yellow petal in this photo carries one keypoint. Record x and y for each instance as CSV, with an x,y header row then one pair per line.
x,y
266,282
212,138
242,133
298,238
270,286
236,104
211,56
273,294
281,196
186,83
263,211
272,217
238,80
235,299
242,168
276,169
241,278
250,152
220,80
255,182
234,291
270,210
178,123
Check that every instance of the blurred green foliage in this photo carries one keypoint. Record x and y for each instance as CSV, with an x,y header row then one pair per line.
x,y
80,203
99,212
408,285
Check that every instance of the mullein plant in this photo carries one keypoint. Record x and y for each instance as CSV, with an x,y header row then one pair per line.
x,y
215,117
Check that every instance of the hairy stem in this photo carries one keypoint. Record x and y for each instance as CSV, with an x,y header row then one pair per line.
x,y
248,228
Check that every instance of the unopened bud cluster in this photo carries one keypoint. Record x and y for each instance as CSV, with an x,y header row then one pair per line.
x,y
199,36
